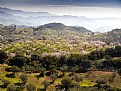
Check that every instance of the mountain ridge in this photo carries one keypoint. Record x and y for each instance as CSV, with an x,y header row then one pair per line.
x,y
37,19
26,13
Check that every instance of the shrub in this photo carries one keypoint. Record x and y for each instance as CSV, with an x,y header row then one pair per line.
x,y
18,61
77,78
53,77
11,88
20,88
119,72
46,84
66,83
3,57
100,81
13,69
23,79
10,75
31,87
6,82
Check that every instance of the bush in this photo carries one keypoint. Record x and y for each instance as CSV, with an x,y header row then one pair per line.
x,y
119,72
11,88
46,84
48,73
71,74
61,75
23,79
3,57
13,69
11,75
53,77
77,78
31,87
6,82
18,61
66,83
100,81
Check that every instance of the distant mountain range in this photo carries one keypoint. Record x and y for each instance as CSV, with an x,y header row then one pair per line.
x,y
19,17
25,13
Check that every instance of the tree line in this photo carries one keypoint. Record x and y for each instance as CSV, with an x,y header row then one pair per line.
x,y
108,60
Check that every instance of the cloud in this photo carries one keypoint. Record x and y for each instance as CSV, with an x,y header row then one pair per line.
x,y
63,2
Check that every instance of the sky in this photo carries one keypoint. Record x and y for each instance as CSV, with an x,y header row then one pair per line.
x,y
63,2
87,8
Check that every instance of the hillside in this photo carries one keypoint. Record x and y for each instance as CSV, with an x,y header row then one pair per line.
x,y
48,57
55,39
61,29
51,29
113,36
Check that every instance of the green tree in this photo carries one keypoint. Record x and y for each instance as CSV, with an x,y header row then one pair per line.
x,y
13,69
66,83
85,65
3,57
18,61
118,51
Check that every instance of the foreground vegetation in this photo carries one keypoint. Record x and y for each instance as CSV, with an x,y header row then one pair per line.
x,y
98,70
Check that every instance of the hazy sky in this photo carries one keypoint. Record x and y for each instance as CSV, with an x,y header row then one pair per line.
x,y
88,8
63,2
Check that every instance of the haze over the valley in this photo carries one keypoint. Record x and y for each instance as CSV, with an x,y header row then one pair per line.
x,y
95,15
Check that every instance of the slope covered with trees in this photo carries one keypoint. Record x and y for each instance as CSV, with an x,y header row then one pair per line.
x,y
113,36
55,57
